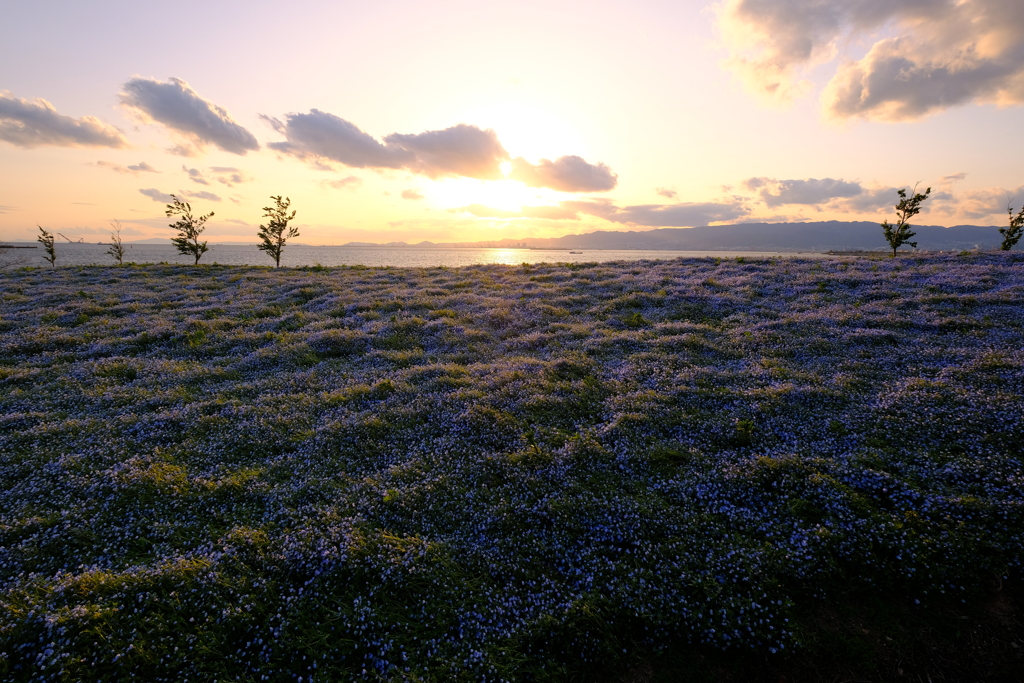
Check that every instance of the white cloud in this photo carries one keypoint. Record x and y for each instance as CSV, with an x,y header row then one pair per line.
x,y
411,194
37,123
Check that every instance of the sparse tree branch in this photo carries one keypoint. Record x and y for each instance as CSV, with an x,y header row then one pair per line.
x,y
899,234
116,246
277,232
1012,233
46,239
189,228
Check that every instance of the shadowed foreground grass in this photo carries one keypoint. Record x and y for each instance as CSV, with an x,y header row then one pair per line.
x,y
694,469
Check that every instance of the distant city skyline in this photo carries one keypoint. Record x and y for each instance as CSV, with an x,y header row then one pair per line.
x,y
454,121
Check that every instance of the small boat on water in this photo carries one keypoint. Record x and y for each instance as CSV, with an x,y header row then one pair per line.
x,y
575,252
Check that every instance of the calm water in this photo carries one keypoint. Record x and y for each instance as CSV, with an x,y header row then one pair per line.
x,y
302,255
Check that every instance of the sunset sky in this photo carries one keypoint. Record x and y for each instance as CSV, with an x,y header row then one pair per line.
x,y
458,120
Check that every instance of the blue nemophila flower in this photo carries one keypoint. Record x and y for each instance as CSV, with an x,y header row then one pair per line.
x,y
391,473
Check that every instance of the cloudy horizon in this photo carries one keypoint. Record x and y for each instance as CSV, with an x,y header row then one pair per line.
x,y
454,122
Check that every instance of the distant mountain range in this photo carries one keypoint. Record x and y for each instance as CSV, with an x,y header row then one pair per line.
x,y
820,236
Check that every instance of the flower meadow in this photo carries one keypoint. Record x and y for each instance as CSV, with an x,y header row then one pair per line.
x,y
487,473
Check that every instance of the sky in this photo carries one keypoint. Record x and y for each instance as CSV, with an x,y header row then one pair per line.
x,y
462,120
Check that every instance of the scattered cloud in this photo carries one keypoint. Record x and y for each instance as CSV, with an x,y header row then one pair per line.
x,y
820,193
195,175
411,194
37,123
668,193
175,105
462,150
565,174
157,196
164,198
810,191
341,183
134,169
987,203
952,178
229,175
319,135
944,52
7,209
225,175
870,200
232,179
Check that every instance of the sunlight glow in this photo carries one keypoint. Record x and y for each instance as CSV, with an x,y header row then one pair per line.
x,y
527,131
504,195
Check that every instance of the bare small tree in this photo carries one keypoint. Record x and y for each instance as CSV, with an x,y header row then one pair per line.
x,y
277,232
46,239
900,234
189,228
1012,234
116,246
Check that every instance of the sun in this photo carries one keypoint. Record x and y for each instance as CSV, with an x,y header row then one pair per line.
x,y
525,131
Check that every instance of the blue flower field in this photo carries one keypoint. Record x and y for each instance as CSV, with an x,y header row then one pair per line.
x,y
494,473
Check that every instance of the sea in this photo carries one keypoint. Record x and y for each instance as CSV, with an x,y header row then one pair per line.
x,y
299,255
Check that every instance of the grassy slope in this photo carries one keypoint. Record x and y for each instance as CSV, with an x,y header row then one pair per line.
x,y
557,472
